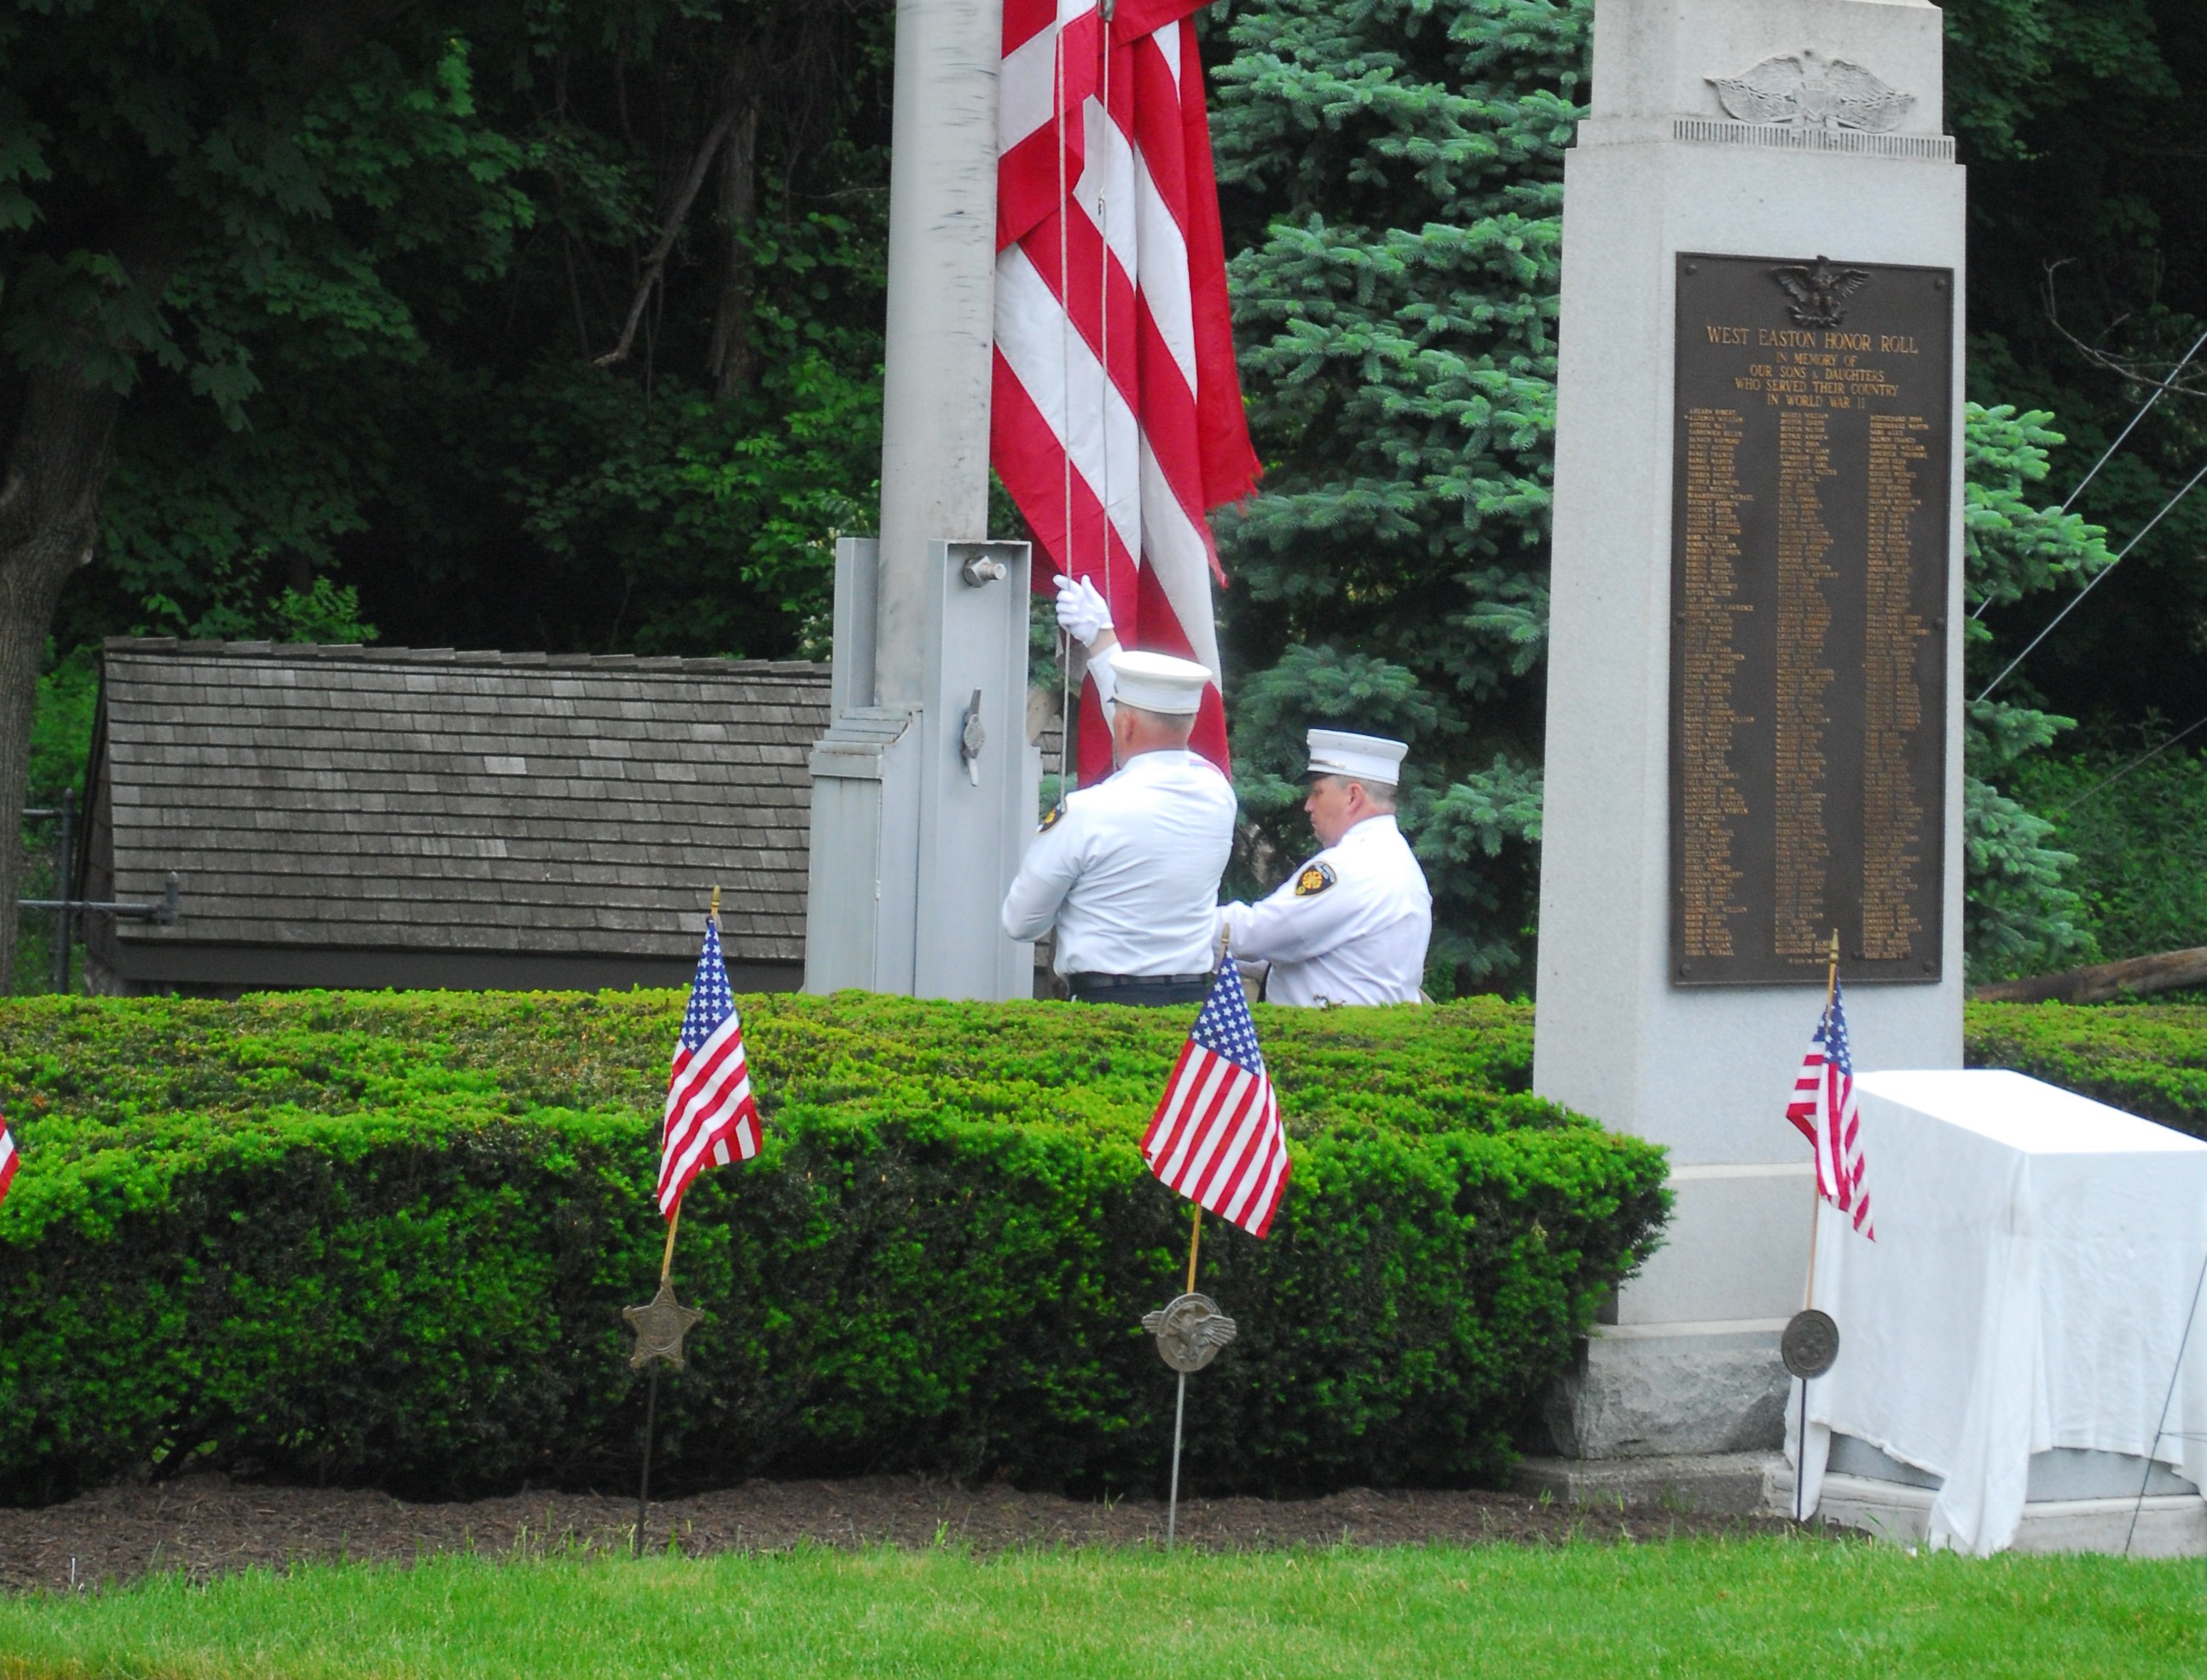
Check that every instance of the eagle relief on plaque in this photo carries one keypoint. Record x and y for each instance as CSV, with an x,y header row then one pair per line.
x,y
1811,526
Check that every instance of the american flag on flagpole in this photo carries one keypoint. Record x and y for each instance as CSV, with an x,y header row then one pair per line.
x,y
1823,1109
9,1159
712,1117
1116,420
1216,1136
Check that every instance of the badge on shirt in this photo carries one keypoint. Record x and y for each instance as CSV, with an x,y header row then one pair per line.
x,y
1314,879
1049,817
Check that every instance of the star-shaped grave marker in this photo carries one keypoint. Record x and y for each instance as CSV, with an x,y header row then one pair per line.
x,y
660,1328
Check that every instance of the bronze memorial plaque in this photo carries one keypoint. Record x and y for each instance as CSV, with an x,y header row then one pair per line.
x,y
1809,556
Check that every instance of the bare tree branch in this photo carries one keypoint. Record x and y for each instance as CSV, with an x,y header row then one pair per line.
x,y
2133,371
655,262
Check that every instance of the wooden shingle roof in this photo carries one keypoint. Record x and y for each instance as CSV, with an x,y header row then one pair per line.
x,y
427,800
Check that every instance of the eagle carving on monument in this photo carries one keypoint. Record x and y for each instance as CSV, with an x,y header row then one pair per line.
x,y
1816,289
1809,91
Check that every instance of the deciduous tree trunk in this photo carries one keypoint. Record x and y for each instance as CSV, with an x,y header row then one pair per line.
x,y
58,447
731,360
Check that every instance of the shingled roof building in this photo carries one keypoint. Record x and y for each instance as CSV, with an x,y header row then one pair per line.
x,y
370,817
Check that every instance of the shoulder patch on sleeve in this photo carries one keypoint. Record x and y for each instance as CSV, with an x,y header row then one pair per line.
x,y
1049,817
1313,878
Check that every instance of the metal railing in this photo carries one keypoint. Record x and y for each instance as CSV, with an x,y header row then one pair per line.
x,y
63,816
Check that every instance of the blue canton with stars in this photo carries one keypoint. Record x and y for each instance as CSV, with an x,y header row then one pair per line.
x,y
1833,1036
1224,1027
711,1002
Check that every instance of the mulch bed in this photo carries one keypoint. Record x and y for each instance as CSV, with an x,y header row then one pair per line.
x,y
206,1525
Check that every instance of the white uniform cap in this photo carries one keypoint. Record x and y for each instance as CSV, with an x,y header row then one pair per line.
x,y
1372,758
1159,683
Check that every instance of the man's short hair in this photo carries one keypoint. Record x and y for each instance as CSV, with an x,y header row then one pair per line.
x,y
1173,723
1381,794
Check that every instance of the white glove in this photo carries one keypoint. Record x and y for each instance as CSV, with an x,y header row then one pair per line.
x,y
1081,612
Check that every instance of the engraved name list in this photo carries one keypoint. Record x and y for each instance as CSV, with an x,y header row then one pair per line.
x,y
1810,529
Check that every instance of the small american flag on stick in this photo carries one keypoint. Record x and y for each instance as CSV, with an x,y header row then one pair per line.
x,y
1823,1109
712,1117
9,1159
1216,1137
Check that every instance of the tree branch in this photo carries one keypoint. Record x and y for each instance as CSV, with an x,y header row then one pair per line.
x,y
2134,372
654,264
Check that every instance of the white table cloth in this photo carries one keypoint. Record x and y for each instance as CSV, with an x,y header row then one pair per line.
x,y
2037,1255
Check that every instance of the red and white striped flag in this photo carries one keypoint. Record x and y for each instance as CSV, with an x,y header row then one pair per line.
x,y
1109,257
1216,1136
9,1159
1823,1109
711,1115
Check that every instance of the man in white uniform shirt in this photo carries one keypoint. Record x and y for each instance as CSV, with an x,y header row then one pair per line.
x,y
1127,871
1352,924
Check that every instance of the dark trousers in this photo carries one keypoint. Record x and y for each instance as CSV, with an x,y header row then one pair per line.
x,y
1143,991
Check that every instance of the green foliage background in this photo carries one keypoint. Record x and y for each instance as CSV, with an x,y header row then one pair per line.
x,y
1392,176
378,364
2138,832
386,1239
2020,914
386,361
2146,1059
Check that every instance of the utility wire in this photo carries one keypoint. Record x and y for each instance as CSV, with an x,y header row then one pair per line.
x,y
2160,390
2109,781
2097,580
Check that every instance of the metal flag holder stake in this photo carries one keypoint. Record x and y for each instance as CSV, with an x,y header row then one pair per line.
x,y
1810,1347
1810,1344
2162,1431
659,1326
1190,1331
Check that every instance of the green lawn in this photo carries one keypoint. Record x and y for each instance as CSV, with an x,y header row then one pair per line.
x,y
1760,1607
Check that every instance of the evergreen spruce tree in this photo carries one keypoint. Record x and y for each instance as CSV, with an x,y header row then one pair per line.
x,y
2020,916
1391,173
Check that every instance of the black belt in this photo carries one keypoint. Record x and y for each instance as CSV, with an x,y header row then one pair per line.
x,y
1150,989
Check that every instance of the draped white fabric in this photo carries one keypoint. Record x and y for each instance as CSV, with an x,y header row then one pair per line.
x,y
2037,1259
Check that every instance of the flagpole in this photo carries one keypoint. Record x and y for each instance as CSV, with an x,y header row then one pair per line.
x,y
1067,723
1816,1152
1816,1212
674,1219
666,1276
1180,1401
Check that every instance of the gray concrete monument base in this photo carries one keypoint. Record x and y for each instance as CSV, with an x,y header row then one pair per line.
x,y
1732,1484
1684,1389
2076,1501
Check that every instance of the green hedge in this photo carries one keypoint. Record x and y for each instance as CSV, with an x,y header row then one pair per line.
x,y
2148,1059
386,1239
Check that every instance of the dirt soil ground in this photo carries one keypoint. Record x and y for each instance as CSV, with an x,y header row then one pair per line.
x,y
206,1525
